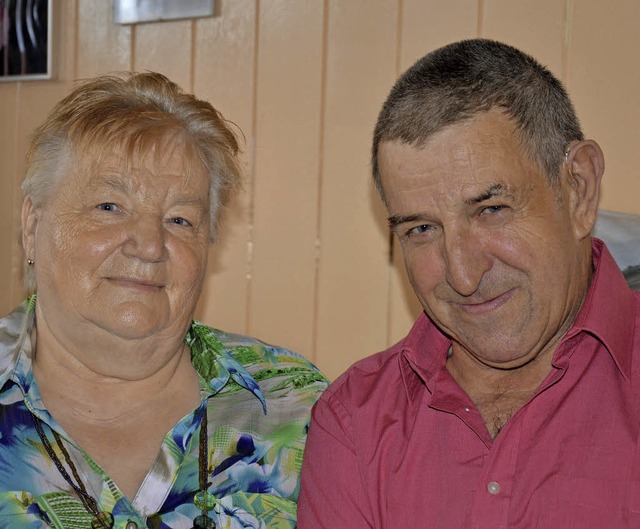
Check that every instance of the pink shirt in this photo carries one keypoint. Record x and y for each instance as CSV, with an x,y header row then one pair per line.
x,y
395,443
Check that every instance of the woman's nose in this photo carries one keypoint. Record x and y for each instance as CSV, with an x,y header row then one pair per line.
x,y
146,239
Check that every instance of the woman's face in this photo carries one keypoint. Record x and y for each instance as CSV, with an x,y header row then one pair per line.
x,y
121,250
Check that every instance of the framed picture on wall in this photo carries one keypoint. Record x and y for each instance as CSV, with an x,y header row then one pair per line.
x,y
25,40
137,11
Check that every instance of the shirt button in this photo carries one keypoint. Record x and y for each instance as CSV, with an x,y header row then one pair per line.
x,y
131,525
493,488
467,410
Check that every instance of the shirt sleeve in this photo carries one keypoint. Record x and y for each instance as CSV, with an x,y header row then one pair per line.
x,y
332,492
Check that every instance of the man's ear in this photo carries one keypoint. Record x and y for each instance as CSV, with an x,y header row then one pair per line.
x,y
29,224
584,168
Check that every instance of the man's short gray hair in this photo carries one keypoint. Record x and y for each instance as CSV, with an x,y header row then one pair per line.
x,y
456,82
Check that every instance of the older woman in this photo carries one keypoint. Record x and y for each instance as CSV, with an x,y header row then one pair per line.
x,y
117,410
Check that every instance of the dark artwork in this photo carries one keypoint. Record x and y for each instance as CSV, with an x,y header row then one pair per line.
x,y
23,38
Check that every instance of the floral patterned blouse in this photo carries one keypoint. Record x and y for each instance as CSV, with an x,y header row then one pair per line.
x,y
257,398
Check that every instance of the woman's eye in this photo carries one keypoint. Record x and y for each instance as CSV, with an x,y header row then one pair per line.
x,y
107,206
181,221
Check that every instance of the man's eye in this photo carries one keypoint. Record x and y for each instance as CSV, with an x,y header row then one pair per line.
x,y
492,209
107,206
417,230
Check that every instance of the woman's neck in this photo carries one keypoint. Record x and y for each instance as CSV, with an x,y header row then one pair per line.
x,y
102,379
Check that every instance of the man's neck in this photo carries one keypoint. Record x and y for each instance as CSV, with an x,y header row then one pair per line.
x,y
498,394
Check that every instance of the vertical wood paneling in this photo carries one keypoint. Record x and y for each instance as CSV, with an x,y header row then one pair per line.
x,y
353,271
521,24
429,24
224,75
65,43
286,172
8,181
604,79
164,47
103,46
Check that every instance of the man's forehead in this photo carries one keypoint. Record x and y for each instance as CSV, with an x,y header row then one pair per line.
x,y
454,173
490,122
480,144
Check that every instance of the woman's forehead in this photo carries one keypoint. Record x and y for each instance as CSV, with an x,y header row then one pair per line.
x,y
152,154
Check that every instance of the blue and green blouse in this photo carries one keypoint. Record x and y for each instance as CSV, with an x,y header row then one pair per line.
x,y
257,398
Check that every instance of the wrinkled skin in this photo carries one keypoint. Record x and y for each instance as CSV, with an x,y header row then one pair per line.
x,y
120,256
499,258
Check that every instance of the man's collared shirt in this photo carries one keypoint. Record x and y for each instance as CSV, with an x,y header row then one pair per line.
x,y
257,399
396,443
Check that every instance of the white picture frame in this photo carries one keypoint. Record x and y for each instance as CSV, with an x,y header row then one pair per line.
x,y
140,11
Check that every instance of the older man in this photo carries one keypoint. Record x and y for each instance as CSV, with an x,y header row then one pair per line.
x,y
513,402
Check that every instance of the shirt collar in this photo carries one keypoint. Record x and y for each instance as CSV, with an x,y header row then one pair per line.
x,y
212,360
607,313
214,363
424,352
15,331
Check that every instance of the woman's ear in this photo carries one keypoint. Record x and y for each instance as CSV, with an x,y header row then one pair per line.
x,y
29,225
584,169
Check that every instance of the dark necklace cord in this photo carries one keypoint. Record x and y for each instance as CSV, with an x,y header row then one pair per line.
x,y
78,486
203,521
105,520
203,454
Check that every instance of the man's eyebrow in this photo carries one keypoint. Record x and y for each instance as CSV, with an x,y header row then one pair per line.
x,y
396,220
493,191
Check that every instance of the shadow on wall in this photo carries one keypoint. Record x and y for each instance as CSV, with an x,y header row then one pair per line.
x,y
633,277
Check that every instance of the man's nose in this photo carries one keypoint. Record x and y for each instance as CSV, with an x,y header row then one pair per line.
x,y
146,239
465,261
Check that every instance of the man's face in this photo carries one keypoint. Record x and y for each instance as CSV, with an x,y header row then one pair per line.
x,y
491,248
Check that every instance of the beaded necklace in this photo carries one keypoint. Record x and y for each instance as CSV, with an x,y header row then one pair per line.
x,y
104,520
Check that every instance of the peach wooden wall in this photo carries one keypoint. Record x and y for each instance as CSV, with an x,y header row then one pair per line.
x,y
305,260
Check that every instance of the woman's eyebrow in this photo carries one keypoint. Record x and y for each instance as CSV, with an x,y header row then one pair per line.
x,y
112,181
